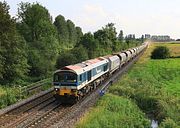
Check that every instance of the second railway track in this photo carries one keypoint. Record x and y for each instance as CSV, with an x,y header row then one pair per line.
x,y
22,111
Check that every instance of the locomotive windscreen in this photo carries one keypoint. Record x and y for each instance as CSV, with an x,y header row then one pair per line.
x,y
65,77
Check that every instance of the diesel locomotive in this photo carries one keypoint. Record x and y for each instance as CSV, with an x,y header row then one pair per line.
x,y
75,81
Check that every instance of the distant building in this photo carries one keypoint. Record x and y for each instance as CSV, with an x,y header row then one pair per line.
x,y
131,36
147,36
162,38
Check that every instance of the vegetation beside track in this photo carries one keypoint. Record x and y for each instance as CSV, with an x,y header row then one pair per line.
x,y
10,95
153,85
114,111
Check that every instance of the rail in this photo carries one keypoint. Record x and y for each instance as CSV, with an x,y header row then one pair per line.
x,y
40,85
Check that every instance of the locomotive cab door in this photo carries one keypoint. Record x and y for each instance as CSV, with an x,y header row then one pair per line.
x,y
89,75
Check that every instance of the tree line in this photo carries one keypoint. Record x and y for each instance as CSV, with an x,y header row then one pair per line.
x,y
32,45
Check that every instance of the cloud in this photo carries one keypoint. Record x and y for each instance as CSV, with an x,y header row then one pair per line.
x,y
95,9
91,17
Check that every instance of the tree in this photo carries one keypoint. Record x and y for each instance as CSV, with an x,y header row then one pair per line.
x,y
79,33
66,58
63,32
76,55
133,37
111,31
90,44
13,62
142,38
120,36
72,33
80,53
106,38
35,24
160,52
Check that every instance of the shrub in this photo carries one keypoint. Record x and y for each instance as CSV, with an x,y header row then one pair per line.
x,y
168,123
160,52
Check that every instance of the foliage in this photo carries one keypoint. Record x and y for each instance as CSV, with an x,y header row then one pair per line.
x,y
78,54
10,96
173,48
65,59
114,112
61,26
160,52
72,33
35,24
142,38
68,34
104,41
106,37
90,44
13,62
79,33
168,123
31,43
120,36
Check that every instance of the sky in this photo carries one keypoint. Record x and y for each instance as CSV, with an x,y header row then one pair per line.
x,y
155,17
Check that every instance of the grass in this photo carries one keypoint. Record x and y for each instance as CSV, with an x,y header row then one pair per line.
x,y
2,91
112,112
12,94
152,85
9,95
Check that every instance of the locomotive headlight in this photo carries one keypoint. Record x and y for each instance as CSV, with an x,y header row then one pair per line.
x,y
56,89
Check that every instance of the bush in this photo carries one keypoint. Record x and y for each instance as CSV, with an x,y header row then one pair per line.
x,y
168,123
160,52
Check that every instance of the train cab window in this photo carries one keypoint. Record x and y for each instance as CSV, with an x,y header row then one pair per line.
x,y
98,69
65,77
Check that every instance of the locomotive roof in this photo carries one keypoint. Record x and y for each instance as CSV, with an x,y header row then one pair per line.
x,y
84,66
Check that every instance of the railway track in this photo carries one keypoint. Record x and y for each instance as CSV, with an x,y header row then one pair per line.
x,y
39,116
22,111
31,114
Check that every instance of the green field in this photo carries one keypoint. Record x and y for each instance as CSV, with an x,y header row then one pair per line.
x,y
152,85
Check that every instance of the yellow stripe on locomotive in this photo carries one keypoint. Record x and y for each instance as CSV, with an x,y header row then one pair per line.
x,y
66,92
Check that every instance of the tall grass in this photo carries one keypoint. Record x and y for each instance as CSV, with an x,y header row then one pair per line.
x,y
10,96
114,112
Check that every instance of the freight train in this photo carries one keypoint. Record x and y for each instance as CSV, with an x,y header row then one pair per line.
x,y
75,81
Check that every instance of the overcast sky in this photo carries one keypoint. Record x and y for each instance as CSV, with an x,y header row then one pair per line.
x,y
132,16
